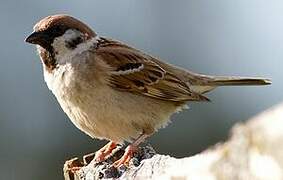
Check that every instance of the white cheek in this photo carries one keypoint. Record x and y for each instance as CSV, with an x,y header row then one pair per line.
x,y
59,46
63,54
59,43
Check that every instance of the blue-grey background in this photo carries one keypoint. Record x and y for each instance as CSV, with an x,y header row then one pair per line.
x,y
215,37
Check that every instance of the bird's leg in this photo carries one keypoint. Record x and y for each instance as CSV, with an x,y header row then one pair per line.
x,y
129,151
105,151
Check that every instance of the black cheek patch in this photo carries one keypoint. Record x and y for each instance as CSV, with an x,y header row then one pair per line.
x,y
74,42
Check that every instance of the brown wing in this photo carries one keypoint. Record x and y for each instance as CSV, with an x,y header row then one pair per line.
x,y
136,72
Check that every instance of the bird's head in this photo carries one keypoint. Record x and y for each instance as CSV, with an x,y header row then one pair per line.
x,y
57,35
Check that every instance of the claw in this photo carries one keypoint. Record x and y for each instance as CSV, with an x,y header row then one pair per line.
x,y
125,159
129,152
103,153
74,169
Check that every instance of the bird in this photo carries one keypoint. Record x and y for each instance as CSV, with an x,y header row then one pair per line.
x,y
112,91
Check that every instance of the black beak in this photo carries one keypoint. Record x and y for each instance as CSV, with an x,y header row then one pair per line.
x,y
35,38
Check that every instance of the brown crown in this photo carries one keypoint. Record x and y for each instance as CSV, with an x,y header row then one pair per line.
x,y
63,19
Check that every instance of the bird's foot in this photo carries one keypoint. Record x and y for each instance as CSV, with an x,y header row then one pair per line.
x,y
74,169
104,152
125,159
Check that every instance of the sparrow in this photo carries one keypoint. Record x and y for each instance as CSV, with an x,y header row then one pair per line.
x,y
113,91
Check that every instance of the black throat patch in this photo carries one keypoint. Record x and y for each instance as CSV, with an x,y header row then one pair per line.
x,y
48,58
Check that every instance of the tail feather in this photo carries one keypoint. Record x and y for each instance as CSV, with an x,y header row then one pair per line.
x,y
237,81
206,83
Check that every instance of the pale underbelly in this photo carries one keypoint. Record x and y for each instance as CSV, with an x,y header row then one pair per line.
x,y
114,115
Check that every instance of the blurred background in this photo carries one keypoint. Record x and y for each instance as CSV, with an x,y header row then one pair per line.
x,y
213,37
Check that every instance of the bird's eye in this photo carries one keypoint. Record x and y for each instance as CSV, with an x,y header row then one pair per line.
x,y
56,31
59,29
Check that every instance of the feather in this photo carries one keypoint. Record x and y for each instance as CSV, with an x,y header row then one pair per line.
x,y
136,72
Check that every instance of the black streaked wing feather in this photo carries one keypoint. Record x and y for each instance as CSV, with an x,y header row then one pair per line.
x,y
136,72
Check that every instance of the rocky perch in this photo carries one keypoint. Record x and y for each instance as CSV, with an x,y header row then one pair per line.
x,y
253,152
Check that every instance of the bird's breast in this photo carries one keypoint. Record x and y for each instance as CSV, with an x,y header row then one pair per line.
x,y
103,112
74,95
